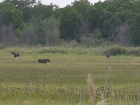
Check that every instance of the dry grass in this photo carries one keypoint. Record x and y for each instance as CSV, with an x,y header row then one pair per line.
x,y
92,93
91,88
27,103
65,83
102,102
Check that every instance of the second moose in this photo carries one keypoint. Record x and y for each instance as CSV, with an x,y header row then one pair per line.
x,y
15,54
43,60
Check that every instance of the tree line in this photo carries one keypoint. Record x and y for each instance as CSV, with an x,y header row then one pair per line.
x,y
31,23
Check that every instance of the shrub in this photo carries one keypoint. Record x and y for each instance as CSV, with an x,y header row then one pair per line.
x,y
134,51
54,50
116,49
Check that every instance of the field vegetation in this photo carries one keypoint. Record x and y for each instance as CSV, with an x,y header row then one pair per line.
x,y
63,81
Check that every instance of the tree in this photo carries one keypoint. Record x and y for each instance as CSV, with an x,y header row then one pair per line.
x,y
136,6
22,4
12,15
51,30
7,36
109,21
92,15
82,7
135,31
41,34
29,35
39,12
122,37
82,30
69,19
2,15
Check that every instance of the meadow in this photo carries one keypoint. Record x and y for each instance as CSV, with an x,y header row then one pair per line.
x,y
63,80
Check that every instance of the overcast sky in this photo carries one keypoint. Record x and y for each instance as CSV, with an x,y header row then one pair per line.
x,y
62,3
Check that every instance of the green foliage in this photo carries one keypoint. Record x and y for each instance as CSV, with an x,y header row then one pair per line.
x,y
133,51
106,16
97,33
39,12
93,39
82,7
41,35
135,31
136,6
69,19
19,34
92,15
54,50
93,42
88,41
29,35
50,26
12,15
22,4
7,36
116,50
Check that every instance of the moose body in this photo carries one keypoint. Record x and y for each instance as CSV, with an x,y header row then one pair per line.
x,y
15,54
43,60
108,55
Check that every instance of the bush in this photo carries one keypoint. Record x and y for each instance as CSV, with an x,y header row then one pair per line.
x,y
134,51
54,50
116,49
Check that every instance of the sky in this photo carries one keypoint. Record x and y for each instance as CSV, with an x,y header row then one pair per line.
x,y
62,3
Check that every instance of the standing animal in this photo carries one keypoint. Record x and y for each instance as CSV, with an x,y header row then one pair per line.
x,y
108,55
15,54
43,60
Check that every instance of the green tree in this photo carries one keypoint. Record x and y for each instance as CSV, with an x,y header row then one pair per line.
x,y
69,19
22,4
7,36
12,15
82,7
40,33
29,35
135,31
110,25
92,15
136,6
40,12
50,26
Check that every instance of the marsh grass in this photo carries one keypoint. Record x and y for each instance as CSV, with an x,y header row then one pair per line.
x,y
91,89
53,50
63,81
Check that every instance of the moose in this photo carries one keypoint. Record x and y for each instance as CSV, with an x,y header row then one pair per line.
x,y
108,55
15,54
43,60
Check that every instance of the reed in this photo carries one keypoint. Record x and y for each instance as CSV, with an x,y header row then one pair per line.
x,y
91,88
63,81
27,103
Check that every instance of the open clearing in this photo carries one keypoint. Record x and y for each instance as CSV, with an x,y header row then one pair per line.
x,y
63,80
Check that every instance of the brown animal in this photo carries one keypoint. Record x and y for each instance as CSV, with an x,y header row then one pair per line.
x,y
108,55
15,54
43,60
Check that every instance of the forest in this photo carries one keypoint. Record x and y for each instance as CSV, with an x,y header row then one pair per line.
x,y
27,22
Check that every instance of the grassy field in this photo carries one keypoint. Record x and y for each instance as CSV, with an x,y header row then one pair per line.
x,y
63,80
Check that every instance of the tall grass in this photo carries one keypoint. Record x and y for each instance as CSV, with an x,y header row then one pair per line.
x,y
91,88
63,81
113,50
48,49
92,93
